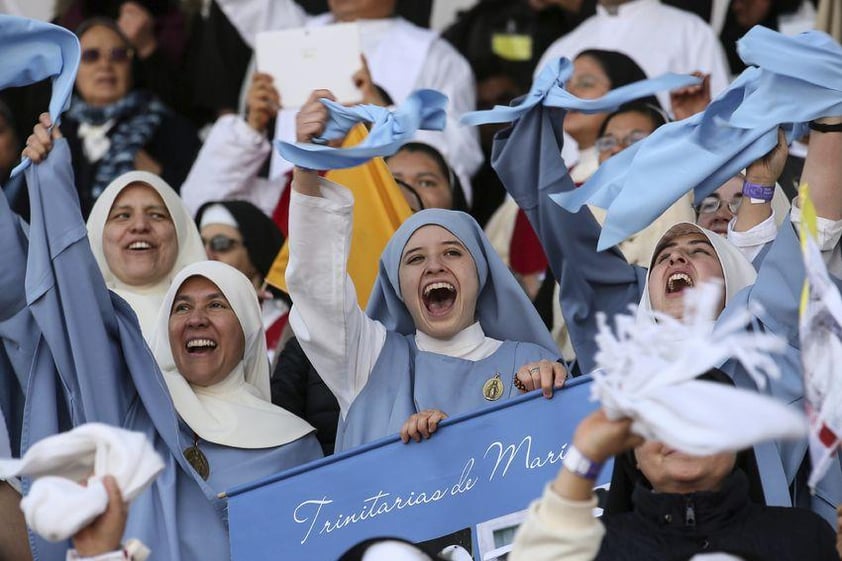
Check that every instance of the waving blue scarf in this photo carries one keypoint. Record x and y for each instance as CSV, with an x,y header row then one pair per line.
x,y
796,79
423,109
548,90
32,51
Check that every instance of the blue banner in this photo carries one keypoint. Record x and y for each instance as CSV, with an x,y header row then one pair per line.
x,y
465,487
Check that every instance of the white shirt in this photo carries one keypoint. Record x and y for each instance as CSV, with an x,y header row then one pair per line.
x,y
227,166
341,341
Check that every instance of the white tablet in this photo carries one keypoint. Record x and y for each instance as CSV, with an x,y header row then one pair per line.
x,y
308,58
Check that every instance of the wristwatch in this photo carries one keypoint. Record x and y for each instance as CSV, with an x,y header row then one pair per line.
x,y
577,463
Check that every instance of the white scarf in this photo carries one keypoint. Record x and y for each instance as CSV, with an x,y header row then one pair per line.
x,y
57,505
145,300
237,411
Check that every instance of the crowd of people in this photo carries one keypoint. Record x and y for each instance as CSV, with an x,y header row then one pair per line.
x,y
140,243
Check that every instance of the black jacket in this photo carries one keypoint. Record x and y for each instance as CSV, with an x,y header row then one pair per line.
x,y
298,388
675,527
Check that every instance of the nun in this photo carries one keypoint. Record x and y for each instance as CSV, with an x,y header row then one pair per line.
x,y
141,235
686,255
201,396
447,330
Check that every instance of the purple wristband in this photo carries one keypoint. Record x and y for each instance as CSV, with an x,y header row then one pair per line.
x,y
758,192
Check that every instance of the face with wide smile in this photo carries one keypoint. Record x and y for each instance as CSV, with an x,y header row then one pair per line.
x,y
139,238
439,282
684,261
671,471
206,337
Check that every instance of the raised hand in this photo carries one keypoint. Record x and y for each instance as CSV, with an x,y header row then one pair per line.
x,y
262,102
40,142
686,102
105,533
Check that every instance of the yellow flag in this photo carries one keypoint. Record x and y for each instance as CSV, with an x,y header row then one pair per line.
x,y
379,209
808,238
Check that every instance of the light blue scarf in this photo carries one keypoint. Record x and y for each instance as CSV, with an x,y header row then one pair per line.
x,y
32,51
548,90
423,109
796,79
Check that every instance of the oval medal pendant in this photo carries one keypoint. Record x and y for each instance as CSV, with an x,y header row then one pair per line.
x,y
198,460
492,389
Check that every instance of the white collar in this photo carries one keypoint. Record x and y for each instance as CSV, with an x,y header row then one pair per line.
x,y
461,344
625,10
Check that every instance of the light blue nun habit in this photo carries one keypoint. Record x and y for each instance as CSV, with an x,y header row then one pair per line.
x,y
91,363
526,157
30,51
406,380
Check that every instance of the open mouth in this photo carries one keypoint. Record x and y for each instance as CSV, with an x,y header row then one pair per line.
x,y
678,282
439,298
200,346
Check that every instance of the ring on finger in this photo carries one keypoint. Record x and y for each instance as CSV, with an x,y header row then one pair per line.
x,y
534,370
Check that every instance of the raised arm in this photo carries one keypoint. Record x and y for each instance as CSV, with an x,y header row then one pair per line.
x,y
561,524
230,161
823,167
67,295
527,159
339,339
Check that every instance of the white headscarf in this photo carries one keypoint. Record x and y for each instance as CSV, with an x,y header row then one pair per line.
x,y
237,411
145,301
737,271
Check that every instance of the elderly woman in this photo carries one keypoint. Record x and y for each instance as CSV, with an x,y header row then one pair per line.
x,y
201,396
447,326
141,236
113,128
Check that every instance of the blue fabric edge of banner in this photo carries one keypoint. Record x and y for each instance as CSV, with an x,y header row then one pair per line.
x,y
292,472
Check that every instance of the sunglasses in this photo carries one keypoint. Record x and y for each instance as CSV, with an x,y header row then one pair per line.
x,y
117,54
221,243
712,204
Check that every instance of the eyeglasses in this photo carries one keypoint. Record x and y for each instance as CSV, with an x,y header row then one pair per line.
x,y
221,243
116,54
609,142
712,204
